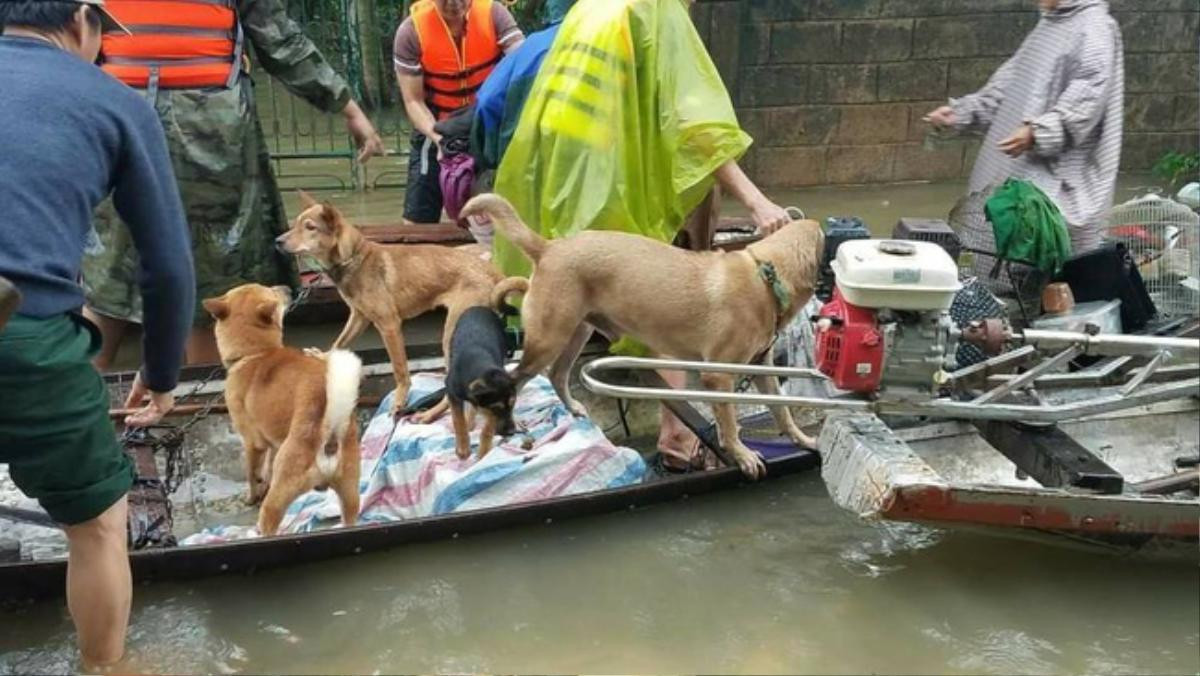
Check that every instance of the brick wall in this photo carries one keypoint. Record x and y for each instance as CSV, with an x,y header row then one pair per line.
x,y
833,90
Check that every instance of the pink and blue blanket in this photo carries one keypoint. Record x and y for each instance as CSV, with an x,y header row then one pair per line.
x,y
410,471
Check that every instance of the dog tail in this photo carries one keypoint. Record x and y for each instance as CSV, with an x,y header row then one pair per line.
x,y
502,291
343,373
502,214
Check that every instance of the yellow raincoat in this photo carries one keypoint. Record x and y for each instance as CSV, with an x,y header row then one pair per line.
x,y
623,128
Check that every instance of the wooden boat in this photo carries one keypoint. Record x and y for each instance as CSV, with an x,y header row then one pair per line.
x,y
24,579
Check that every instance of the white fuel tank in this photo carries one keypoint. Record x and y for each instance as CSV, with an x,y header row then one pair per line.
x,y
897,274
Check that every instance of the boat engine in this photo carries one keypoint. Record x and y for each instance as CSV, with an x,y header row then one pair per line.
x,y
887,324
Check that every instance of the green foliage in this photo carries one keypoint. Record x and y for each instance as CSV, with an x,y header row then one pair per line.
x,y
528,14
1178,167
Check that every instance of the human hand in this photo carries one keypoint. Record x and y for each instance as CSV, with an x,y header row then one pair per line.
x,y
160,403
768,217
940,117
366,138
1020,141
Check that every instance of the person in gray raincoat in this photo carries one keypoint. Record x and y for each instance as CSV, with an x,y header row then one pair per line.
x,y
1053,116
220,156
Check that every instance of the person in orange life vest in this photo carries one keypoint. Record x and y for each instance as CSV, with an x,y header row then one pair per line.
x,y
187,58
443,52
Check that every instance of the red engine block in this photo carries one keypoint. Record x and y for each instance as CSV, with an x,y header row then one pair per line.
x,y
850,349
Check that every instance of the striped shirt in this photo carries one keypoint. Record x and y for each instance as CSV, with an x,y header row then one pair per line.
x,y
1067,81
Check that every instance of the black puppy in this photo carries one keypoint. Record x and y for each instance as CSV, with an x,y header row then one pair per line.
x,y
476,376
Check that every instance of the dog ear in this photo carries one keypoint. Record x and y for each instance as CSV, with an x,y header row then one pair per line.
x,y
306,200
332,217
217,307
265,312
478,387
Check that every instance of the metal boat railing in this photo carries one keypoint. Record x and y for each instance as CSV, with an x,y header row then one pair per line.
x,y
1152,382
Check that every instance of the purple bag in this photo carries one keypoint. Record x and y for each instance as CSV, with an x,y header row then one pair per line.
x,y
456,175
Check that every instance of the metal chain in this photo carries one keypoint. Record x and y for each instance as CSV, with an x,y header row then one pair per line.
x,y
305,291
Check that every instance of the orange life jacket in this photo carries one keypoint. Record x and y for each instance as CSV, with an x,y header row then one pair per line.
x,y
454,73
176,44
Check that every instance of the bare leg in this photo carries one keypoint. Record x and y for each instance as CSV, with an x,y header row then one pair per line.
x,y
99,587
727,428
677,444
202,347
112,333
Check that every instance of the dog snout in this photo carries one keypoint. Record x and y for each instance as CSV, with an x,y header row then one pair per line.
x,y
281,243
507,426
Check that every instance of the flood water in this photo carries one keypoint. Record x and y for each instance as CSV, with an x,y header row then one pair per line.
x,y
771,578
767,579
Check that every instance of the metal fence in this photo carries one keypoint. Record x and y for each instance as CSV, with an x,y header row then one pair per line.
x,y
310,148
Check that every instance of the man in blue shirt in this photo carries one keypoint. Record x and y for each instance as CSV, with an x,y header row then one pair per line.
x,y
70,136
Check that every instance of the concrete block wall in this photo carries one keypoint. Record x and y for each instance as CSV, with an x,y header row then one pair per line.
x,y
833,90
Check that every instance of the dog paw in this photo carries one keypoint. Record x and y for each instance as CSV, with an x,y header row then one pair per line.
x,y
577,409
426,417
253,497
751,463
463,453
802,440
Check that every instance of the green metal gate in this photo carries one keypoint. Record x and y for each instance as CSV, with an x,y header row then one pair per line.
x,y
311,149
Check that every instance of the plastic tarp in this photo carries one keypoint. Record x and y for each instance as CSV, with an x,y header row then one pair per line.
x,y
411,471
623,128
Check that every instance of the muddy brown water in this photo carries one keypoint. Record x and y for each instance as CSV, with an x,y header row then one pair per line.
x,y
771,578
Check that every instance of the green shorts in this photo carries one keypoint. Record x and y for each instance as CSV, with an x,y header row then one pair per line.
x,y
55,433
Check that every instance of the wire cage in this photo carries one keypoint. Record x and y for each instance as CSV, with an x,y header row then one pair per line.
x,y
1163,237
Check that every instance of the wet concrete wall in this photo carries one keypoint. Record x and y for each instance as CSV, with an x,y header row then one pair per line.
x,y
833,90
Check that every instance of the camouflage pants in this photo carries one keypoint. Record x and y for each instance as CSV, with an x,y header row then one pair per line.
x,y
230,198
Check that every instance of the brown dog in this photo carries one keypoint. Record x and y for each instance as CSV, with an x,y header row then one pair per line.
x,y
293,410
705,306
386,285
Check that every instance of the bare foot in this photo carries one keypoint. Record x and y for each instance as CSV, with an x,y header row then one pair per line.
x,y
681,449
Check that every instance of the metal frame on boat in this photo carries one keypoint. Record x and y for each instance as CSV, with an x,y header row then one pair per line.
x,y
873,470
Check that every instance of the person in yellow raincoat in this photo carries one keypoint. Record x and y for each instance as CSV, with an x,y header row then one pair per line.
x,y
626,128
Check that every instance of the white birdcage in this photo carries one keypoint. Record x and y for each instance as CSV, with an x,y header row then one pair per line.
x,y
1163,237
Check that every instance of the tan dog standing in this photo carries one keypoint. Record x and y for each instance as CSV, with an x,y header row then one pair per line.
x,y
294,412
704,306
386,285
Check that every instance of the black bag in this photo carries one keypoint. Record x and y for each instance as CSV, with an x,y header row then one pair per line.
x,y
1109,273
